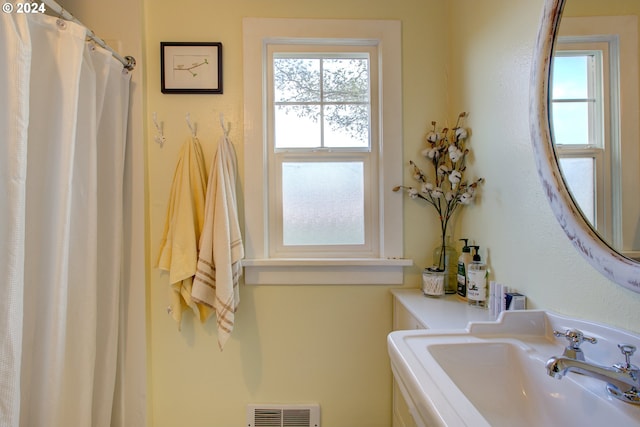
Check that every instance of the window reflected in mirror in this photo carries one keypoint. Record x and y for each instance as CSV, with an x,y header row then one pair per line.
x,y
581,120
594,100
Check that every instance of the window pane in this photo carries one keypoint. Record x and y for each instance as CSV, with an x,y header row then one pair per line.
x,y
579,176
297,126
296,80
323,99
570,122
346,126
323,203
345,80
570,77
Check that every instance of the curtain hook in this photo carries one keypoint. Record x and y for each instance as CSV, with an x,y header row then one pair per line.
x,y
61,22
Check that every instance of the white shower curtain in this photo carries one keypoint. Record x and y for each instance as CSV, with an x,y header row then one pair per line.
x,y
63,122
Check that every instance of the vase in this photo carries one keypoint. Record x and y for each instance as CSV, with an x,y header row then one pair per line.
x,y
445,258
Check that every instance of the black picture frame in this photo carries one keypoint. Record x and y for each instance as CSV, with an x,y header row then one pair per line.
x,y
191,67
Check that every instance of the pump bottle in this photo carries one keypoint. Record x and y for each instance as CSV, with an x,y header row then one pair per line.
x,y
477,281
463,265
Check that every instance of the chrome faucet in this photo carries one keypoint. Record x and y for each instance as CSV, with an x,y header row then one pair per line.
x,y
623,379
575,338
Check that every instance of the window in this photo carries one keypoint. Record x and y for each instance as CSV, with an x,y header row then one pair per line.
x,y
321,158
617,209
580,96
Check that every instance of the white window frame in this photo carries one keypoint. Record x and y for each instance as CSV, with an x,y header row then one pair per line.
x,y
385,265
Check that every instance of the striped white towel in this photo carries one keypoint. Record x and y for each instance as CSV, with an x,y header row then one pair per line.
x,y
221,248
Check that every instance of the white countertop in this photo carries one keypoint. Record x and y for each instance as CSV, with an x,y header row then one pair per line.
x,y
459,378
447,312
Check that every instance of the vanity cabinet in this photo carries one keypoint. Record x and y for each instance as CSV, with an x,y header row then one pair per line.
x,y
402,317
413,310
401,413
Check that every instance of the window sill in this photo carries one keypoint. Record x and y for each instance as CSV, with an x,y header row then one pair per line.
x,y
325,271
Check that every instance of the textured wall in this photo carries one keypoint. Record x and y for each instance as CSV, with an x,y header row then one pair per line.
x,y
327,344
493,41
291,344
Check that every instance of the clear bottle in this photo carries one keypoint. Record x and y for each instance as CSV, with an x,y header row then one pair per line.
x,y
463,264
477,281
450,265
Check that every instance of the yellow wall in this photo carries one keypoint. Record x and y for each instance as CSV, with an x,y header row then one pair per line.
x,y
494,40
290,344
327,344
600,8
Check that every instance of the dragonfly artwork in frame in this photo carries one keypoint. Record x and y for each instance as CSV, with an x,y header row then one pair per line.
x,y
191,67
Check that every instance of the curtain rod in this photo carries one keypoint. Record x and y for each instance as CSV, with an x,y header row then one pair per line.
x,y
129,62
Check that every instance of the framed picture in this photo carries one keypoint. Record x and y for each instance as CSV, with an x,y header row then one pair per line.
x,y
191,67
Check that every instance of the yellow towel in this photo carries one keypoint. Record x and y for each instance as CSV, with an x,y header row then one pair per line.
x,y
221,247
183,228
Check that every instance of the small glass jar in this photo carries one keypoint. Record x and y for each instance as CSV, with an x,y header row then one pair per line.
x,y
433,282
448,261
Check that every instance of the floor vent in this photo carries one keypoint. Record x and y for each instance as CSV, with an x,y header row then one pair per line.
x,y
283,415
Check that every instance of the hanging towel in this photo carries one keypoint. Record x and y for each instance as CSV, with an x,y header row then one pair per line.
x,y
221,247
182,230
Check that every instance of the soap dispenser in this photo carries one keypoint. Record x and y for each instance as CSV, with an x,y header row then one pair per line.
x,y
463,265
477,281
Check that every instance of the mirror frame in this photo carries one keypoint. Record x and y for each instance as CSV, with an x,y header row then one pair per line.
x,y
584,238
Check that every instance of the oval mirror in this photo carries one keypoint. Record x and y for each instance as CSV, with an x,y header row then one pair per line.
x,y
592,244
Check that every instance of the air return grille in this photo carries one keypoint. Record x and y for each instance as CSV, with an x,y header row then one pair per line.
x,y
283,415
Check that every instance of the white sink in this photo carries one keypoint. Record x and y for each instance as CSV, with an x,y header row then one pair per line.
x,y
493,374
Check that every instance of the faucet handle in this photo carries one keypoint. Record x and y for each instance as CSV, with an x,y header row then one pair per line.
x,y
627,350
575,337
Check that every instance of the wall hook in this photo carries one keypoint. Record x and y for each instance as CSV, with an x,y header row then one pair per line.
x,y
159,138
225,129
192,126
